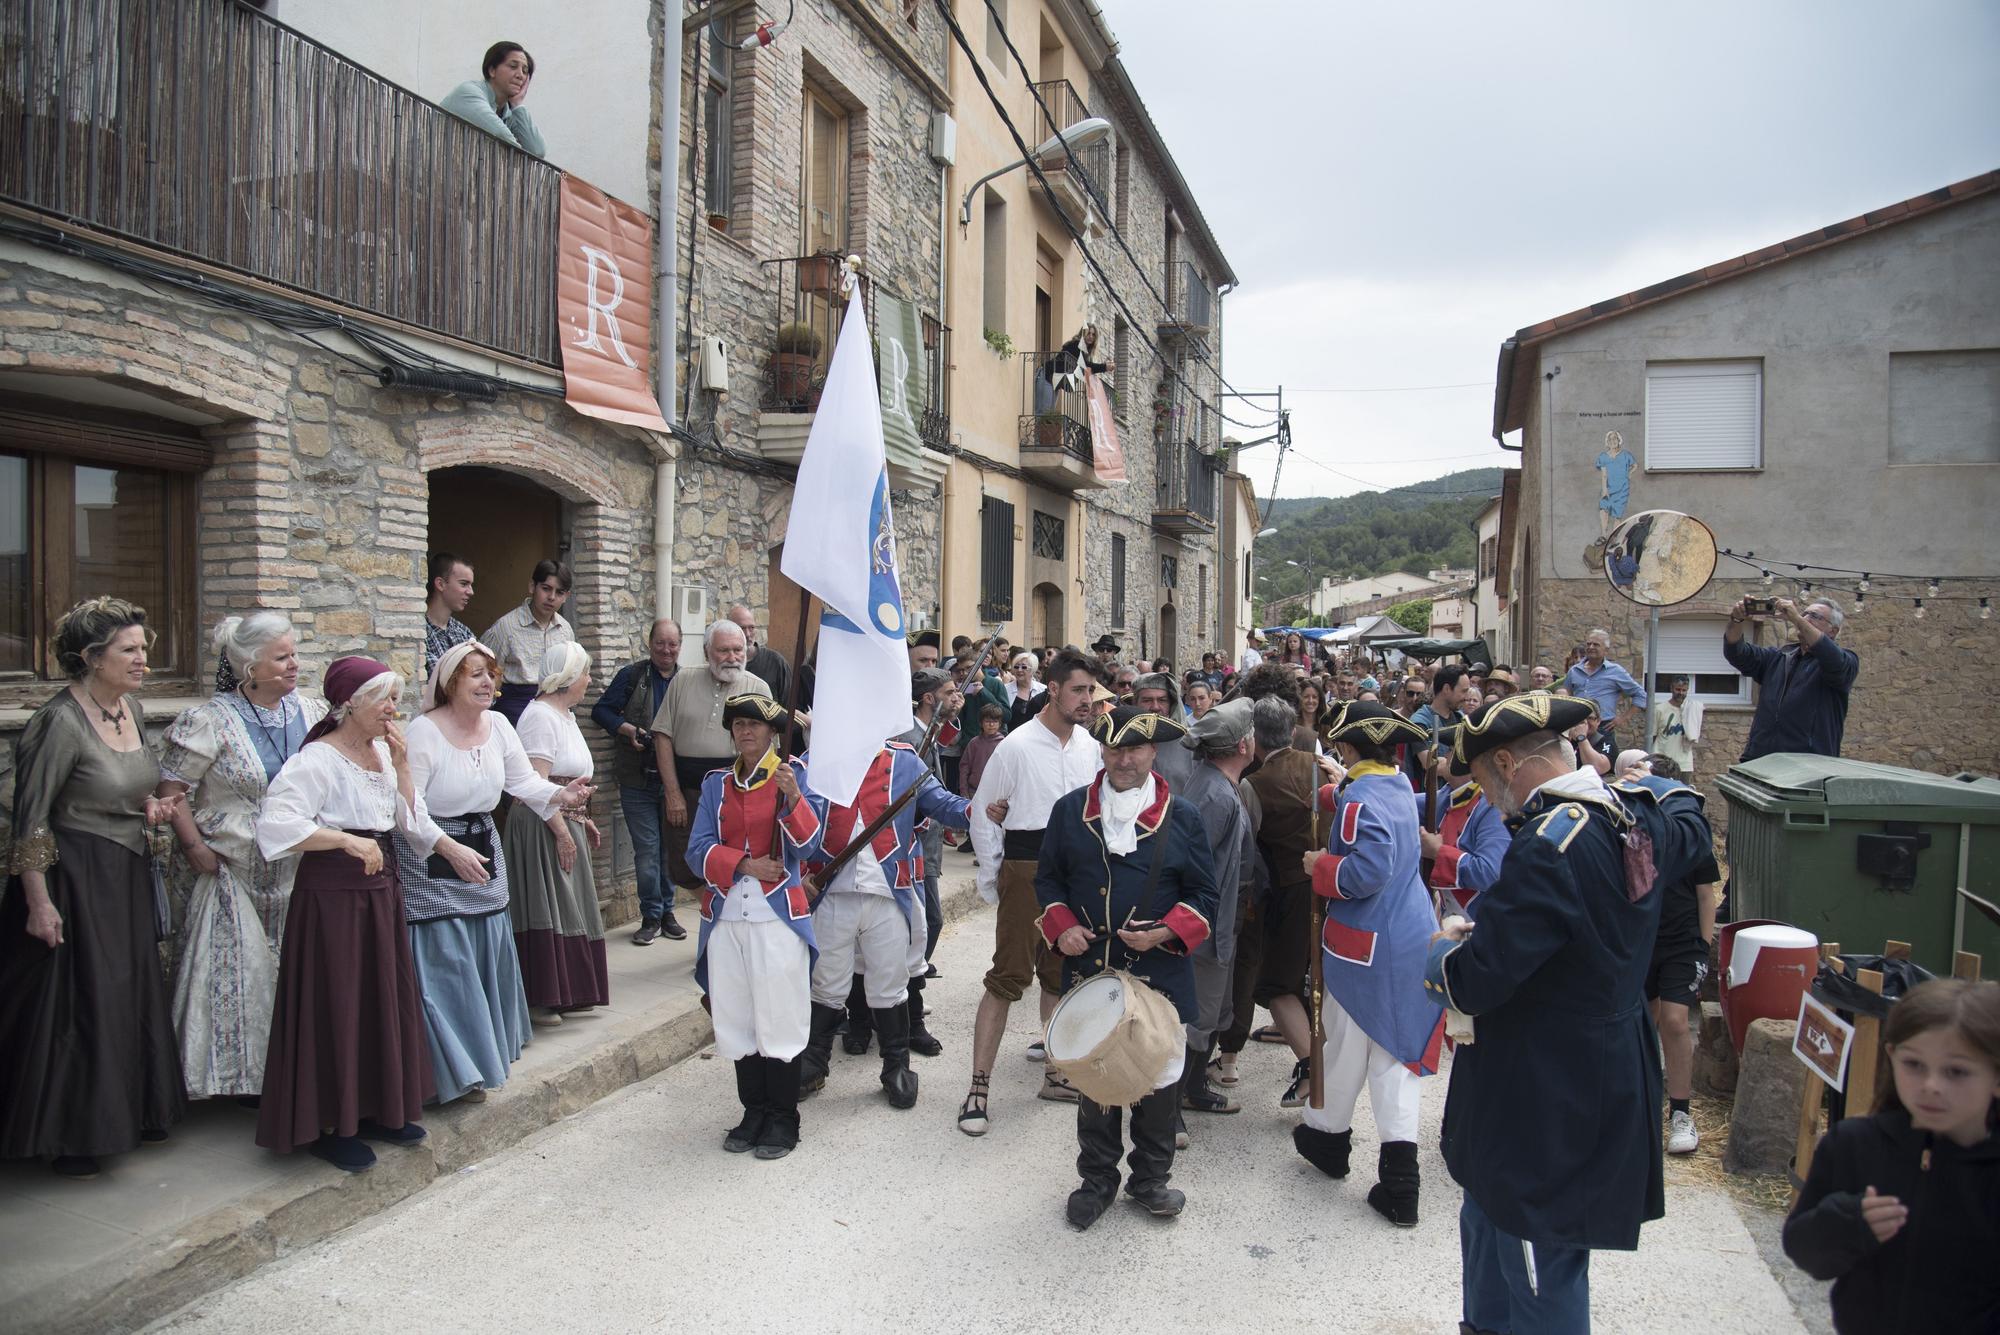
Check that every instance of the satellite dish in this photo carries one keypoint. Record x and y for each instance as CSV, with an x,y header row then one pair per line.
x,y
1659,557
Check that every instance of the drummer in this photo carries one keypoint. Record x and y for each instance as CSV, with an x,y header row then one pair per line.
x,y
1159,905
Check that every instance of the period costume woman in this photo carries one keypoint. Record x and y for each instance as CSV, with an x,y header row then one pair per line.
x,y
557,927
224,754
87,1056
348,1060
463,754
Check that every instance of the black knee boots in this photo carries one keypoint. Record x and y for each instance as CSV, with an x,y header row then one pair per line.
x,y
922,1041
1152,1157
860,1024
818,1056
750,1092
1324,1150
1394,1195
899,1082
780,1135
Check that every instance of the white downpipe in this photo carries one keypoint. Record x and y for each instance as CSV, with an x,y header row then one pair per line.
x,y
667,302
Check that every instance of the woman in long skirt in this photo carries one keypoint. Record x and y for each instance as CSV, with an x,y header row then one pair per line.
x,y
557,926
88,1064
348,1060
224,754
463,754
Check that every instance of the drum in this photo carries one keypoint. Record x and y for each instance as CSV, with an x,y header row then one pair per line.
x,y
1113,1037
1766,967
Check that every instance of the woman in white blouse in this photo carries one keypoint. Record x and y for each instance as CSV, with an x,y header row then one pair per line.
x,y
557,927
453,871
346,1061
1023,691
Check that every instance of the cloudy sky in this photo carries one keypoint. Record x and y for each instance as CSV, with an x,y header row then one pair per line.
x,y
1400,187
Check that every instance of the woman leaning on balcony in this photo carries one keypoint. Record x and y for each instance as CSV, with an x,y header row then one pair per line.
x,y
493,102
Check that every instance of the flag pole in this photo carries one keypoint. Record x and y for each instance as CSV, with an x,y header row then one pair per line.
x,y
791,702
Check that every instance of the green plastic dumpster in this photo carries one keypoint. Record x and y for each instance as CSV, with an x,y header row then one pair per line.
x,y
1861,854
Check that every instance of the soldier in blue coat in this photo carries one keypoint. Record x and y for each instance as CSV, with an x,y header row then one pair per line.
x,y
1125,882
870,916
1552,1124
1382,1032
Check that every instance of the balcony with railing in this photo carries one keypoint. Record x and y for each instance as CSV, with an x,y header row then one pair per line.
x,y
1067,190
1190,311
808,311
1185,484
1055,426
202,129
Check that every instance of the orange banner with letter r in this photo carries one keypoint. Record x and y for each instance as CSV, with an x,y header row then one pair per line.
x,y
604,302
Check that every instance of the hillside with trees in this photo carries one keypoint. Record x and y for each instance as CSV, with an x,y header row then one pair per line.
x,y
1417,528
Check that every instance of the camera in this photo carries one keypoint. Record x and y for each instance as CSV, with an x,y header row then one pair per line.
x,y
1760,607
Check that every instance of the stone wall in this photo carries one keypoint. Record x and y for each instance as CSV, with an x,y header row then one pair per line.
x,y
1921,701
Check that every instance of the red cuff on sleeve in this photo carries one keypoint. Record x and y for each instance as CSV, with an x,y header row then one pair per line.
x,y
1327,794
1055,920
1444,868
1326,876
719,867
800,823
1186,924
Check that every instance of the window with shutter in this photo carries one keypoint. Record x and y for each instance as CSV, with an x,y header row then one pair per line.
x,y
996,560
1704,415
1692,647
824,167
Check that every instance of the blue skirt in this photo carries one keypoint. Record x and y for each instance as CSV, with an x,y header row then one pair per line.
x,y
475,1013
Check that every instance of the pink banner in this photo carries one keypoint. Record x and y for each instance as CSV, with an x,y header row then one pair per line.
x,y
604,290
1107,458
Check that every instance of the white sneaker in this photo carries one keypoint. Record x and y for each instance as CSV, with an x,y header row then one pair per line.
x,y
1681,1135
1037,1052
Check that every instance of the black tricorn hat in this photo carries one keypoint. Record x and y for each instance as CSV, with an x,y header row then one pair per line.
x,y
1129,725
1375,723
1515,717
756,708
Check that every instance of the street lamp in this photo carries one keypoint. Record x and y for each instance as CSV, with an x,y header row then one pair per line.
x,y
1052,154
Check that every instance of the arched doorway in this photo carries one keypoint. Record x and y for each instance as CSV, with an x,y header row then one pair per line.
x,y
1170,643
1048,623
501,522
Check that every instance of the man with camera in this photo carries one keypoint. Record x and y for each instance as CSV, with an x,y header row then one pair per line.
x,y
1803,686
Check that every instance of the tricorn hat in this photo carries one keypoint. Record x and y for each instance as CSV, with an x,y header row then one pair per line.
x,y
1128,725
756,708
1375,723
1515,717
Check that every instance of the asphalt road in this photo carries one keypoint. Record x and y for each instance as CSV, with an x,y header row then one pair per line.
x,y
629,1217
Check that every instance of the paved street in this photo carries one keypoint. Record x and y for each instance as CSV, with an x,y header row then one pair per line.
x,y
630,1217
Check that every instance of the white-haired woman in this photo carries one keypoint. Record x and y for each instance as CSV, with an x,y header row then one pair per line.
x,y
347,1061
223,755
88,1064
1023,691
463,754
557,927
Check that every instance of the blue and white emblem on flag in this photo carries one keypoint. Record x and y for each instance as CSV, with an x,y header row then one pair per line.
x,y
840,545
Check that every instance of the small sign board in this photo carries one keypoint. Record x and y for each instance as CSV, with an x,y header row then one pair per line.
x,y
1822,1041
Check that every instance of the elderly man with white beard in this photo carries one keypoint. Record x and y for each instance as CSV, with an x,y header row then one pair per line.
x,y
690,737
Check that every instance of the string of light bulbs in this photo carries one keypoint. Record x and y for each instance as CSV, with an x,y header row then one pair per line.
x,y
1920,604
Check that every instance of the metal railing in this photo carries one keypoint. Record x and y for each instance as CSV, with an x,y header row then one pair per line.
x,y
934,425
1190,300
1065,108
807,313
202,128
1053,417
1184,480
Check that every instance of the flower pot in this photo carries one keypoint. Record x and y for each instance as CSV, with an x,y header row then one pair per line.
x,y
719,221
1049,435
792,377
820,273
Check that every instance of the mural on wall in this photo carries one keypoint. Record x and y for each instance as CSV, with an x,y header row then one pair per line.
x,y
1614,470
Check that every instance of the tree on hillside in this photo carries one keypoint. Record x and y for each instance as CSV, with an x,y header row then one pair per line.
x,y
1413,616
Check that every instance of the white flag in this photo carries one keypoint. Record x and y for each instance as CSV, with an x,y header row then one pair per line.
x,y
840,544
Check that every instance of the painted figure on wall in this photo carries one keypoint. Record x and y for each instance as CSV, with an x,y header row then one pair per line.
x,y
1614,468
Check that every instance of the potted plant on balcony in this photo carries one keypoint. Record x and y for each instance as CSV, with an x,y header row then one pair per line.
x,y
1049,429
821,274
796,351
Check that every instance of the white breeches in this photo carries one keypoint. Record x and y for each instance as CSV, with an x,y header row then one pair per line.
x,y
866,934
1352,1060
759,990
920,931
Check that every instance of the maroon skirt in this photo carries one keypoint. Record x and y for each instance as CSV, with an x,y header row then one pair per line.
x,y
347,1029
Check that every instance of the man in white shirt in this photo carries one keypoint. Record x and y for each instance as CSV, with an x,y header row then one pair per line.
x,y
1677,727
1051,754
1251,657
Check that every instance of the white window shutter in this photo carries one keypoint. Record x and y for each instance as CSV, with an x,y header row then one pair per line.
x,y
1692,647
1704,415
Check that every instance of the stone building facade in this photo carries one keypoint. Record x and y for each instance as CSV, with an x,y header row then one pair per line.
x,y
1846,418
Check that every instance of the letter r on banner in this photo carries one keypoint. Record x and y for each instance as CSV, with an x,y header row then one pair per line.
x,y
597,305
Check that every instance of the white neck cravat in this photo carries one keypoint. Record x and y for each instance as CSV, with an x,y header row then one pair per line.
x,y
1121,814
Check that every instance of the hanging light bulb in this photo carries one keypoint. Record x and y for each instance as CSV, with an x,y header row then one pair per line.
x,y
1768,579
1805,588
1932,589
1863,586
1920,609
1860,602
1985,610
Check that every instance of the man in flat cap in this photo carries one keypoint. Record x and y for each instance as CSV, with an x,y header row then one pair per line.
x,y
1124,881
755,954
1552,1125
1220,747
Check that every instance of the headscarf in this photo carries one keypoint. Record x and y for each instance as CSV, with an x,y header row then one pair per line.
x,y
447,664
343,679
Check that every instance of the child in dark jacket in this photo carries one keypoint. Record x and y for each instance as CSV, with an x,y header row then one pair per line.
x,y
979,750
1902,1209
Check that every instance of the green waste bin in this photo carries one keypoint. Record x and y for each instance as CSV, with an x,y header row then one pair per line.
x,y
1861,854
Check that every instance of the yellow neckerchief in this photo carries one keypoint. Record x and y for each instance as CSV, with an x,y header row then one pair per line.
x,y
1369,768
759,773
1468,794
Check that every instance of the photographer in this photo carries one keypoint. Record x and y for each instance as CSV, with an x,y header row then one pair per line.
x,y
625,711
1804,685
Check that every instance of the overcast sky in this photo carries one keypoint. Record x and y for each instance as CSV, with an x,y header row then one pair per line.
x,y
1401,187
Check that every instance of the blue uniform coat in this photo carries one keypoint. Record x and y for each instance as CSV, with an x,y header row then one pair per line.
x,y
1552,1124
899,847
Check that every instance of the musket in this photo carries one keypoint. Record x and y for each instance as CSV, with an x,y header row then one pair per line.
x,y
1316,1058
815,884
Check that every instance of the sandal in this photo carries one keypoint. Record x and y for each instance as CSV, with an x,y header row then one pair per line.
x,y
1224,1069
972,1119
1058,1089
1269,1033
